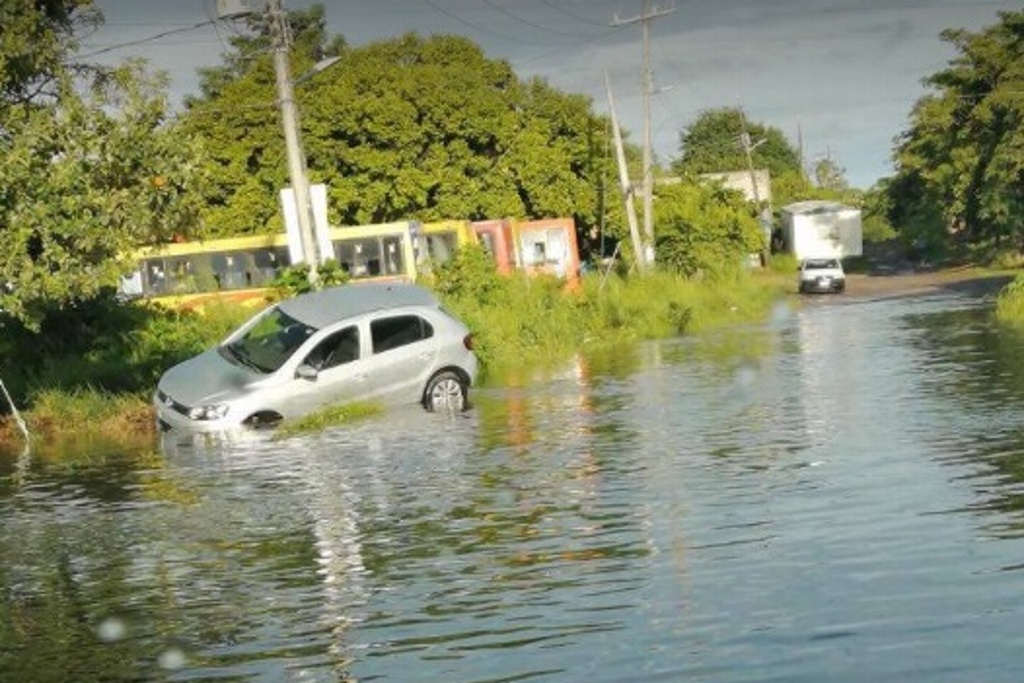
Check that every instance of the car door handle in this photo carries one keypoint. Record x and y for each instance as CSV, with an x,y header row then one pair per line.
x,y
360,378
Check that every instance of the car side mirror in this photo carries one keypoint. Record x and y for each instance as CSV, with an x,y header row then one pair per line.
x,y
306,372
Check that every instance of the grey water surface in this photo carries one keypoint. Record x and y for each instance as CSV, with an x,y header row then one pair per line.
x,y
836,494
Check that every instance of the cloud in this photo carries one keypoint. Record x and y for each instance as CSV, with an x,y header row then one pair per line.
x,y
847,72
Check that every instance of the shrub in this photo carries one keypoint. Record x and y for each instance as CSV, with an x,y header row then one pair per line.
x,y
294,280
1010,303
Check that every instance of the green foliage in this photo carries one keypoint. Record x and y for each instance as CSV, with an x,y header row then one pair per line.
x,y
332,416
784,263
961,163
704,230
521,323
308,31
712,144
876,212
83,182
294,280
793,186
114,414
36,41
1010,303
470,273
107,346
424,128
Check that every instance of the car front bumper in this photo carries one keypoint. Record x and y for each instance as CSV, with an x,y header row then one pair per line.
x,y
171,415
823,285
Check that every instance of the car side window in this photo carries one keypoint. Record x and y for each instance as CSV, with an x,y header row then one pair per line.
x,y
336,349
393,332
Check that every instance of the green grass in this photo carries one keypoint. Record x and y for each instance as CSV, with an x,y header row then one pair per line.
x,y
68,423
1010,304
536,323
103,366
332,416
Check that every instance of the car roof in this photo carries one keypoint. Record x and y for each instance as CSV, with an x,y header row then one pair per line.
x,y
326,306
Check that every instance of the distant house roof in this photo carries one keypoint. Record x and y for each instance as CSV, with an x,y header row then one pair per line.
x,y
740,181
743,181
815,206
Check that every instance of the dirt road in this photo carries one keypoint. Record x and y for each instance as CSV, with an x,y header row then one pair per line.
x,y
967,280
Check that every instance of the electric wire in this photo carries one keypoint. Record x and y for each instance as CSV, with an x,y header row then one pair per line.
x,y
502,10
143,41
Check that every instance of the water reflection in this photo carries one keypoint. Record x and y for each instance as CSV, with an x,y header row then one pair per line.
x,y
833,495
974,366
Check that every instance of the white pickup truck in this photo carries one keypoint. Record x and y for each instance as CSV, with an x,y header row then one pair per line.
x,y
821,275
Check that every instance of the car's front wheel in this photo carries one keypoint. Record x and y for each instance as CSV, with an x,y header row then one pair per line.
x,y
262,420
446,391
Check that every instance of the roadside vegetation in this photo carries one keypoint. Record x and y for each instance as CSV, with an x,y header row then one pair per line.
x,y
97,375
1010,304
93,166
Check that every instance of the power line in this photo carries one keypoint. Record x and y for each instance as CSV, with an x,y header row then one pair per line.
x,y
540,27
585,20
143,41
504,36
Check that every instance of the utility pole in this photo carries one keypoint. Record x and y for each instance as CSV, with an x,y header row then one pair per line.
x,y
290,122
748,149
625,185
648,85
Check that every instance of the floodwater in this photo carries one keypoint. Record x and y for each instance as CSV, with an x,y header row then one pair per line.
x,y
836,494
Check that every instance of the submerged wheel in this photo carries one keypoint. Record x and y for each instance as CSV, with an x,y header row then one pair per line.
x,y
263,420
445,391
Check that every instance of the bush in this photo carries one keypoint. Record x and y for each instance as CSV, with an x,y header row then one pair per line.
x,y
294,280
1010,304
536,322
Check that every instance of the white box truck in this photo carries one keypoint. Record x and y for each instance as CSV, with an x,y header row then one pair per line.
x,y
822,229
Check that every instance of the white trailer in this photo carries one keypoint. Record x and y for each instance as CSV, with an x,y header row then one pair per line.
x,y
822,229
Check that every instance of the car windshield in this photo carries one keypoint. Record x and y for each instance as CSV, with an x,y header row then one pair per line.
x,y
822,264
269,343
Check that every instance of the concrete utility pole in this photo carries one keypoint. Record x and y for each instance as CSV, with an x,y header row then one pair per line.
x,y
625,186
290,123
648,82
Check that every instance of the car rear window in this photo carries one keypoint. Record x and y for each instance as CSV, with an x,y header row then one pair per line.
x,y
821,263
393,332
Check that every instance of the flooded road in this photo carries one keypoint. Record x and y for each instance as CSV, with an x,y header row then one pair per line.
x,y
836,494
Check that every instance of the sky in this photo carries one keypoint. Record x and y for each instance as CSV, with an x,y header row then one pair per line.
x,y
838,77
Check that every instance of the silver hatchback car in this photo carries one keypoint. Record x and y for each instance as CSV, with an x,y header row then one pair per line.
x,y
377,342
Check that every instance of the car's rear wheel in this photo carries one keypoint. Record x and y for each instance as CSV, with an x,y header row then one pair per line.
x,y
446,391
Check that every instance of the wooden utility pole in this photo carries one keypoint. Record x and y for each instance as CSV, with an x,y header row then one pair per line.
x,y
625,185
648,86
748,149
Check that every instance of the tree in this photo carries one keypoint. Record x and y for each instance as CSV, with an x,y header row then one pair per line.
x,y
960,165
88,167
704,228
830,176
408,128
713,144
310,44
35,41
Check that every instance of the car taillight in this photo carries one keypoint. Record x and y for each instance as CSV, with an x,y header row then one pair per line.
x,y
467,341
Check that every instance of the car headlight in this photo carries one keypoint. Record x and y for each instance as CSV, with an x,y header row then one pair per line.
x,y
211,412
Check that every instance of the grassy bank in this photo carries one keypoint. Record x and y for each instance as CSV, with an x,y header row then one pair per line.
x,y
1010,304
534,322
101,385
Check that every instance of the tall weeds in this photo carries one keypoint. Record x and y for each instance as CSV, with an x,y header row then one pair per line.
x,y
102,367
526,322
1010,304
